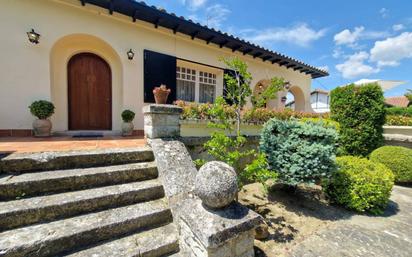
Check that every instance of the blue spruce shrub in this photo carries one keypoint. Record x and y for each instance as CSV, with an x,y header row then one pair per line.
x,y
300,152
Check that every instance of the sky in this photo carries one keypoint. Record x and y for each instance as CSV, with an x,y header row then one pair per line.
x,y
352,39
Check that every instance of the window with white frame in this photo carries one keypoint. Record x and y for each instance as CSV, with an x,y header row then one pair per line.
x,y
185,84
207,87
193,85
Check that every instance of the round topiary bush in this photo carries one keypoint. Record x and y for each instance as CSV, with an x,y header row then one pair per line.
x,y
128,115
360,184
42,109
396,158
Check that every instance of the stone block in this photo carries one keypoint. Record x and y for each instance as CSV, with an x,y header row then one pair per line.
x,y
162,121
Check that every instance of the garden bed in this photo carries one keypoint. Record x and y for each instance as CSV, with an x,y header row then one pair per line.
x,y
292,217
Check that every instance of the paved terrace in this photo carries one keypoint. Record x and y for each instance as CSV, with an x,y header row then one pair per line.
x,y
63,143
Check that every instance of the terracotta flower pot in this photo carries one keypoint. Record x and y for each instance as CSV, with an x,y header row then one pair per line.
x,y
127,129
160,94
161,97
42,127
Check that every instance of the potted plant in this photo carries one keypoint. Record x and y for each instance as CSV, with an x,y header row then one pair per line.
x,y
42,110
161,93
127,126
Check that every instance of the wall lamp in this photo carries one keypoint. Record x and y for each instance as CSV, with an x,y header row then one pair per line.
x,y
130,54
287,85
33,36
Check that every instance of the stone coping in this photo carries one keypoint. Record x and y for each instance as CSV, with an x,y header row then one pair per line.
x,y
398,137
205,122
196,141
215,227
162,109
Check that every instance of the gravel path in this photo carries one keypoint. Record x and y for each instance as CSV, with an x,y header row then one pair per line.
x,y
360,235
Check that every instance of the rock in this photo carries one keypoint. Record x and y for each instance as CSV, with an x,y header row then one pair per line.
x,y
216,184
262,231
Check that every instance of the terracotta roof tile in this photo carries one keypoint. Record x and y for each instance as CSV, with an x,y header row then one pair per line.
x,y
398,101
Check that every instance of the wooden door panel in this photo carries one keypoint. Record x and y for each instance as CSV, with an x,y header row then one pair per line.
x,y
89,92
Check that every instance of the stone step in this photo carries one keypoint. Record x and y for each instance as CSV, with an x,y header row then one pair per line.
x,y
151,243
51,239
28,162
36,183
47,208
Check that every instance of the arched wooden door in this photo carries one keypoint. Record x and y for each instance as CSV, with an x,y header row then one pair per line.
x,y
89,92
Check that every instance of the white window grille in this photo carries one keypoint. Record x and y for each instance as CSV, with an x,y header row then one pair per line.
x,y
190,81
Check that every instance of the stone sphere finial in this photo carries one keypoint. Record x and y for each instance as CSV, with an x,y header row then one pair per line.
x,y
216,184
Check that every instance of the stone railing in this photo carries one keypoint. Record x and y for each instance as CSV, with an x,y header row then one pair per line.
x,y
210,222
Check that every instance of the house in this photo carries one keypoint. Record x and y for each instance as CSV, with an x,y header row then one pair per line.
x,y
95,58
397,101
319,100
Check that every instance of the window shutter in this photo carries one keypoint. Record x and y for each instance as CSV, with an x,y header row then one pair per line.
x,y
231,73
159,69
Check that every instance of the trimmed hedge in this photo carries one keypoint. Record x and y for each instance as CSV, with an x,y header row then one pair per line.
x,y
300,152
360,185
360,111
396,158
399,111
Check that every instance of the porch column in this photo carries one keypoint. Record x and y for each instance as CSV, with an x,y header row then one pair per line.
x,y
161,121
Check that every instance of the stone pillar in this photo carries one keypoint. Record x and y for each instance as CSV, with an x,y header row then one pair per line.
x,y
161,121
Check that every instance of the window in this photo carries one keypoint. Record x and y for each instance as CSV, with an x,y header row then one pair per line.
x,y
185,84
207,86
190,82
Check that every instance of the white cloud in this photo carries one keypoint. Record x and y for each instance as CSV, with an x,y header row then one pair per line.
x,y
194,4
351,38
384,12
391,51
337,53
398,27
355,66
347,37
300,34
213,16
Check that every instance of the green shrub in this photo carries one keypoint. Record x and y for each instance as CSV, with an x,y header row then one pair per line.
x,y
327,123
301,152
360,185
360,112
398,120
128,115
396,158
42,109
399,111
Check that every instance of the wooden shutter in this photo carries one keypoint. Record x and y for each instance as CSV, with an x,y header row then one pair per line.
x,y
159,69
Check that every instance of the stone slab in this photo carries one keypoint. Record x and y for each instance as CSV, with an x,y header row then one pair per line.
x,y
176,169
215,227
49,207
27,184
50,239
155,242
26,162
163,108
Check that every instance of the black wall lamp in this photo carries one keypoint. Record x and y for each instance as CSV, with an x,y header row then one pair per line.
x,y
33,36
130,54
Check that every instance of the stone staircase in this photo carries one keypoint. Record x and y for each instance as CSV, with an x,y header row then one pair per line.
x,y
84,203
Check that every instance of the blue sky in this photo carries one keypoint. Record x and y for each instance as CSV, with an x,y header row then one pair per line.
x,y
352,39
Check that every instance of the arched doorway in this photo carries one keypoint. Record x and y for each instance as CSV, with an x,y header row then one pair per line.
x,y
89,92
295,99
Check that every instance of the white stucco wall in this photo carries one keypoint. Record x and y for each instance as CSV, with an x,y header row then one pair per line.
x,y
31,72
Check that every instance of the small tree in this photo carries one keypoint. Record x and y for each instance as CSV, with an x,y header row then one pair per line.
x,y
408,95
238,86
269,93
